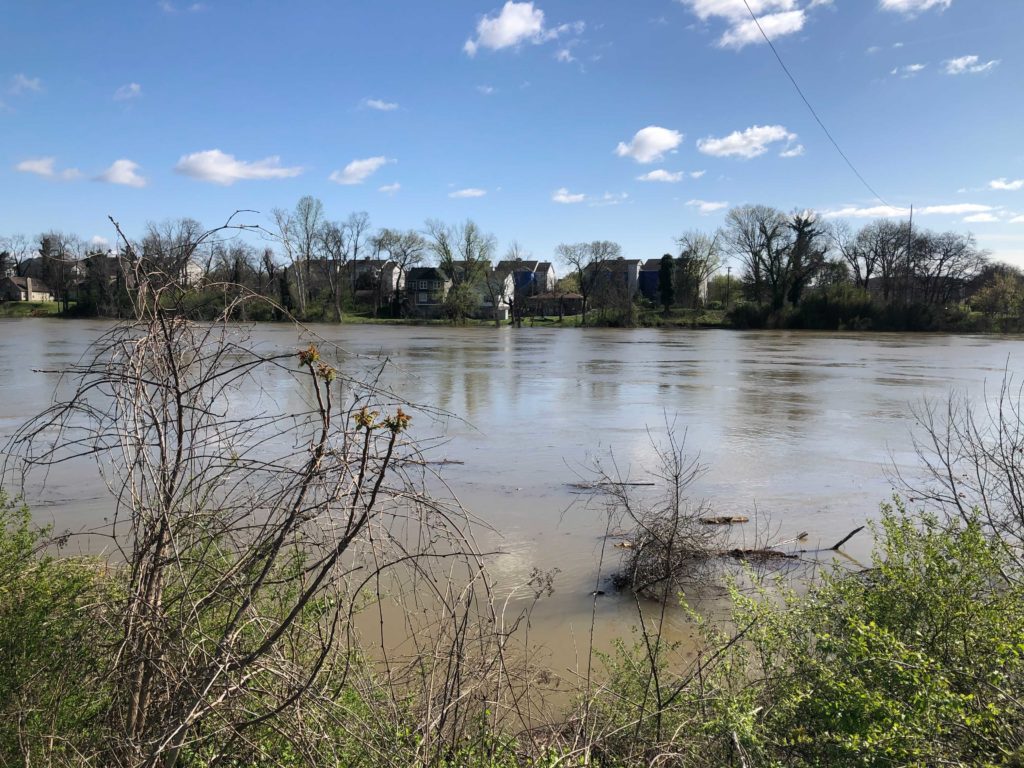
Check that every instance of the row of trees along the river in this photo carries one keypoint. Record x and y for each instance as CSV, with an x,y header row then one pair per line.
x,y
762,266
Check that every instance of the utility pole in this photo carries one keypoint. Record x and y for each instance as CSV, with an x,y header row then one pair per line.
x,y
728,284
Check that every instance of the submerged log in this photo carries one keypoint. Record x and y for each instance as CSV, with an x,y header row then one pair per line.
x,y
725,519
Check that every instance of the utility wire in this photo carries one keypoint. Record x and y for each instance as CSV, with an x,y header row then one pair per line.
x,y
808,103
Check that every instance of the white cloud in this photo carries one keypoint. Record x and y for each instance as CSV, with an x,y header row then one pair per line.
x,y
516,24
696,174
908,71
662,175
381,105
912,7
359,171
130,91
795,151
775,25
889,211
1017,219
44,166
736,9
705,207
1006,185
897,45
969,65
390,189
650,144
981,218
123,172
747,144
777,17
955,209
609,198
168,7
486,90
468,192
564,55
221,168
98,241
22,83
872,50
564,196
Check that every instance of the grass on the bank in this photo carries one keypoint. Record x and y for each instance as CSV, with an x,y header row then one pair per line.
x,y
29,309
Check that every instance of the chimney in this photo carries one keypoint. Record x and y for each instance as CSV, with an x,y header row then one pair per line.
x,y
28,289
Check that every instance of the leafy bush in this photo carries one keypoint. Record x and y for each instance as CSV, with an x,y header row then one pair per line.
x,y
918,660
52,648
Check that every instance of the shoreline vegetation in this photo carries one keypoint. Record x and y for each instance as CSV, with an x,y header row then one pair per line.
x,y
763,268
223,630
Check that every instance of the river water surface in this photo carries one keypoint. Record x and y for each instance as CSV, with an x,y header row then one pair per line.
x,y
795,428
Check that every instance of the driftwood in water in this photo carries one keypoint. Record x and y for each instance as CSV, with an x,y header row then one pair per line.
x,y
845,539
609,484
725,519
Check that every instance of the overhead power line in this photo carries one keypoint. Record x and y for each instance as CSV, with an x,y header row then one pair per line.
x,y
811,108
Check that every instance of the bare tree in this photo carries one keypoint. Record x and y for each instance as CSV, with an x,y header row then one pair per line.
x,y
589,263
249,531
406,249
464,254
168,249
60,256
18,250
298,232
700,256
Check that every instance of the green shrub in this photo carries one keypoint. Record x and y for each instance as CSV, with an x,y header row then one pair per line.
x,y
916,661
52,648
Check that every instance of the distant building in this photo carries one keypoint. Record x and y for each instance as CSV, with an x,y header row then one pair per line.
x,y
24,289
530,276
426,288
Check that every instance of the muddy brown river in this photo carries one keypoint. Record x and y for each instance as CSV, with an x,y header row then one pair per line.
x,y
796,429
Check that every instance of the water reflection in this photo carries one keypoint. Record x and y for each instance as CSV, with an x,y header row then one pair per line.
x,y
797,425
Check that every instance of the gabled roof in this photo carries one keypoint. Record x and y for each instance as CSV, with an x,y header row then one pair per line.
x,y
518,265
37,285
426,273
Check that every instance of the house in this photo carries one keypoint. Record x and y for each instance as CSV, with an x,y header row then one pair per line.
x,y
621,275
383,278
498,288
649,280
24,289
426,288
531,276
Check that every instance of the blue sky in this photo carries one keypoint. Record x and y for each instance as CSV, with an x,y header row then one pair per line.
x,y
545,122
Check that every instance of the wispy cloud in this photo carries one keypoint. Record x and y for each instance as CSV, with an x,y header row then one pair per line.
x,y
609,198
969,65
221,168
380,105
129,91
123,172
486,90
170,8
469,192
650,144
1006,185
662,175
390,189
908,71
564,196
981,218
891,211
749,143
913,7
359,171
707,207
46,167
777,18
21,83
515,25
